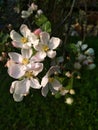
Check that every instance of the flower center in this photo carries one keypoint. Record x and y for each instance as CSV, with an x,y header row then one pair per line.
x,y
28,74
25,61
51,80
45,48
24,40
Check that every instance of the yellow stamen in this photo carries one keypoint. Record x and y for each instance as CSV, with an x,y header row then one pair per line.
x,y
28,74
25,61
51,80
24,40
45,48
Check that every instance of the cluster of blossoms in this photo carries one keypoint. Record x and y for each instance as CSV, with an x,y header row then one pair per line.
x,y
85,56
25,67
37,51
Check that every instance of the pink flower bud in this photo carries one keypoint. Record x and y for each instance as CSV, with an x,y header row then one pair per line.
x,y
37,31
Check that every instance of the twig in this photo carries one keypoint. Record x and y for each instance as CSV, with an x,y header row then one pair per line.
x,y
68,15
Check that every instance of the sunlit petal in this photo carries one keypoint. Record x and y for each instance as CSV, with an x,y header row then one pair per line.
x,y
51,53
44,37
22,87
15,57
26,53
54,43
35,83
25,30
16,71
15,36
39,56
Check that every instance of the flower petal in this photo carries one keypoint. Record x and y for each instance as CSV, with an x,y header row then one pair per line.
x,y
35,83
15,36
45,90
54,43
56,84
15,57
26,53
22,87
17,97
17,44
12,88
44,81
25,31
37,68
51,53
16,71
39,56
44,37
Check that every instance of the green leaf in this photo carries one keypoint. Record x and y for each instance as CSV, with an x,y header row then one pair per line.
x,y
46,27
40,20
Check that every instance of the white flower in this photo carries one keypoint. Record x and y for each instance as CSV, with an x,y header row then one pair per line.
x,y
19,60
27,13
46,45
25,40
29,79
50,83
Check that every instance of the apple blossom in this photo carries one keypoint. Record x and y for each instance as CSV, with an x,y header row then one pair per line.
x,y
26,40
46,45
50,83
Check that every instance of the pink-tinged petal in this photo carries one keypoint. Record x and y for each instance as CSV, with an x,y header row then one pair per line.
x,y
25,31
12,88
26,53
37,68
38,57
44,37
54,43
44,81
15,57
9,63
15,36
45,90
51,54
22,87
35,83
56,84
17,97
16,71
17,44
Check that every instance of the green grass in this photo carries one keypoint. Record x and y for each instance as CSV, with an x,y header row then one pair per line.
x,y
38,113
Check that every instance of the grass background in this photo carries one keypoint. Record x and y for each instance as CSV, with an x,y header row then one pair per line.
x,y
38,113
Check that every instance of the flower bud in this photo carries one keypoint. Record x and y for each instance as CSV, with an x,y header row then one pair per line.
x,y
69,100
34,6
39,12
37,31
